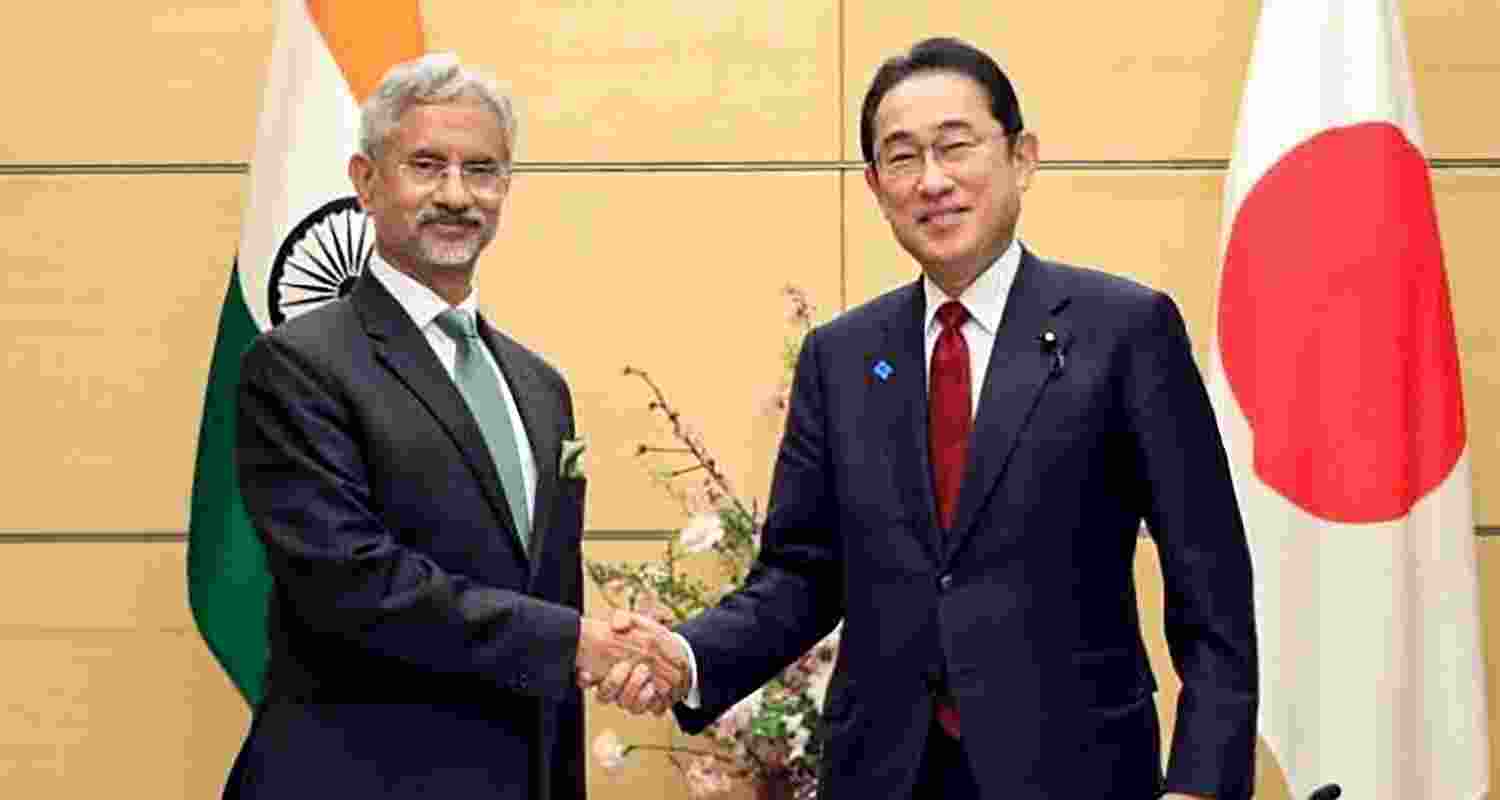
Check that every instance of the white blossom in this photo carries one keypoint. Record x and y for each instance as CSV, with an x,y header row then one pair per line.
x,y
610,751
702,533
796,727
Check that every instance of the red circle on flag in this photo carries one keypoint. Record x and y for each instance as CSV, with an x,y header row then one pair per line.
x,y
1336,330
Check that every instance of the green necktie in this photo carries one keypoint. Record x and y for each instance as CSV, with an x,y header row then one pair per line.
x,y
480,387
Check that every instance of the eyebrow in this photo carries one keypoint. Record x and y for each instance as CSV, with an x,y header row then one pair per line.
x,y
946,126
437,155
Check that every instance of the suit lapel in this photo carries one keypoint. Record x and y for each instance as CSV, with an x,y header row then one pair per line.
x,y
898,403
402,348
540,415
1020,368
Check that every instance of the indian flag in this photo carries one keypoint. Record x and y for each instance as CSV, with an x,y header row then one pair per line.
x,y
303,242
1336,381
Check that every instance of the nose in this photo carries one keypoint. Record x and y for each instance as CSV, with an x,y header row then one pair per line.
x,y
933,180
451,190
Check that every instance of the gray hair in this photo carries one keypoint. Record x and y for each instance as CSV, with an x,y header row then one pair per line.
x,y
432,79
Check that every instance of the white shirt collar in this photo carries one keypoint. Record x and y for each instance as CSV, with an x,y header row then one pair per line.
x,y
421,303
984,299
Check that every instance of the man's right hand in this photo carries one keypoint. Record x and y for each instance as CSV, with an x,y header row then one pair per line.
x,y
633,659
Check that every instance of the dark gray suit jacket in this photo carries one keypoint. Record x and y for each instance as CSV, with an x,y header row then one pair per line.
x,y
416,649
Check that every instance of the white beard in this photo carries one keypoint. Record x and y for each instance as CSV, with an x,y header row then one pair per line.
x,y
450,253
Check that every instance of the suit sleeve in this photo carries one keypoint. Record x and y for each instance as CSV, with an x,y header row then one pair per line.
x,y
792,596
1193,516
304,481
569,751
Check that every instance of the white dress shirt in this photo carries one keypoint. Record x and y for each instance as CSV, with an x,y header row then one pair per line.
x,y
423,306
985,301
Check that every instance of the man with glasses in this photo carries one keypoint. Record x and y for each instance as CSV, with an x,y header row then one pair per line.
x,y
966,465
406,465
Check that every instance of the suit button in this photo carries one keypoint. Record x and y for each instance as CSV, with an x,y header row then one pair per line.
x,y
945,583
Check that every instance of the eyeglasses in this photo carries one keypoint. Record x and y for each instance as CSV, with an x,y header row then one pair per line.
x,y
481,178
953,153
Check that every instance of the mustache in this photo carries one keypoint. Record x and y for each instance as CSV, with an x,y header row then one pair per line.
x,y
425,217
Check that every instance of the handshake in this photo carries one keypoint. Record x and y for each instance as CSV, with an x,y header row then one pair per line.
x,y
632,661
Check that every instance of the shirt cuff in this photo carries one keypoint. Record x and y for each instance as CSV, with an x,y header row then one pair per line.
x,y
694,699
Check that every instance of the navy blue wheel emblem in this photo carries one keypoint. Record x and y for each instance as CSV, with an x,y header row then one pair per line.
x,y
320,259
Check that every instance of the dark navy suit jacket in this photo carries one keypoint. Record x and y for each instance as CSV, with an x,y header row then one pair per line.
x,y
417,650
1027,607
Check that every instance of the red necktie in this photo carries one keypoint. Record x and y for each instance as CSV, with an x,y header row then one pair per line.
x,y
948,410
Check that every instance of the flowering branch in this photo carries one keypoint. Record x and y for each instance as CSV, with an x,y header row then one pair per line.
x,y
768,735
693,445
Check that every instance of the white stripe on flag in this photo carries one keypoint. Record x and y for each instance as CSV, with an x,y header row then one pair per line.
x,y
308,127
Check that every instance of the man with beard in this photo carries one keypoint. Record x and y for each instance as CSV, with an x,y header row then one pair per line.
x,y
404,463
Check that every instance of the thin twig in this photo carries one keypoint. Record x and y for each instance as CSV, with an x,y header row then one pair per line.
x,y
672,748
705,460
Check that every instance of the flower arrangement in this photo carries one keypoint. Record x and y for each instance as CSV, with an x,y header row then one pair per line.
x,y
766,739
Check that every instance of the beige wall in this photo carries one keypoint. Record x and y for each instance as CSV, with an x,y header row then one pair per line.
x,y
110,284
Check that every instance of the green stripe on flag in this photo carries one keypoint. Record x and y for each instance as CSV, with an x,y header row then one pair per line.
x,y
228,582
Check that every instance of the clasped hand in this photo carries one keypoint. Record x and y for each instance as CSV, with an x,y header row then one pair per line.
x,y
632,661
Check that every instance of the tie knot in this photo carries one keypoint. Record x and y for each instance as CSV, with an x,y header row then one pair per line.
x,y
459,325
952,314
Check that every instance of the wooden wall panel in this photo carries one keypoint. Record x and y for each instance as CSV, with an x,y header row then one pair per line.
x,y
676,274
1451,44
669,80
111,291
133,81
664,80
1124,83
658,80
113,587
87,710
1135,82
1466,203
106,676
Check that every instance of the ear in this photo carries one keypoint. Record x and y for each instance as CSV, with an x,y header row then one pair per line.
x,y
362,175
1026,155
